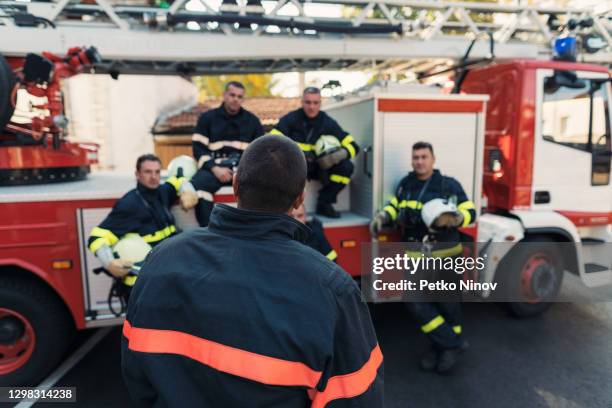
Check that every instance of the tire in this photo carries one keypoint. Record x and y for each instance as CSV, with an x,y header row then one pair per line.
x,y
532,271
7,83
35,331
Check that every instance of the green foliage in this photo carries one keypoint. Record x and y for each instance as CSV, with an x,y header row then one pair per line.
x,y
213,86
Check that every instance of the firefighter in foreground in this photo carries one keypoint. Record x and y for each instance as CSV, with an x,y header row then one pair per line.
x,y
316,240
142,212
221,135
241,314
440,321
326,146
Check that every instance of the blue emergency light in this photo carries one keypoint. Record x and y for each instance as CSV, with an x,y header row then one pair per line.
x,y
565,49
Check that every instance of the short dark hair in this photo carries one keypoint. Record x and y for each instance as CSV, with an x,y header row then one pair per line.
x,y
235,84
271,174
423,145
144,158
311,90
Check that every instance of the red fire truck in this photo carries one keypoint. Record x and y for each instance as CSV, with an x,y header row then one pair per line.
x,y
529,140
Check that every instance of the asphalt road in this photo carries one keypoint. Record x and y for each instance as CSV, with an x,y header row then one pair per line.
x,y
560,359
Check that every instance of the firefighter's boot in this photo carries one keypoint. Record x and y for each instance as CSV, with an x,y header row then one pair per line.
x,y
429,360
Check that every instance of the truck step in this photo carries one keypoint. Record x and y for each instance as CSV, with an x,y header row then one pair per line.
x,y
593,268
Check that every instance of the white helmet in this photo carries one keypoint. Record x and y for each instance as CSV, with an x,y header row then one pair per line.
x,y
187,163
326,144
435,208
132,248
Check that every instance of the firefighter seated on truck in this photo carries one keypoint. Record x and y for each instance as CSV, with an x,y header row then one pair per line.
x,y
221,135
316,239
144,212
327,147
424,207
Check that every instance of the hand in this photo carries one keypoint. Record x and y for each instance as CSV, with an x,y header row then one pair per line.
x,y
378,222
118,267
223,174
189,199
449,220
330,160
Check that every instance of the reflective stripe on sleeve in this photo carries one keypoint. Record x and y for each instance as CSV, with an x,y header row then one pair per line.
x,y
176,182
346,143
107,236
352,384
242,363
391,211
464,208
305,147
457,329
200,138
276,132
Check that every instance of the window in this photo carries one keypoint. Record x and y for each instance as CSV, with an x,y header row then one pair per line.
x,y
575,114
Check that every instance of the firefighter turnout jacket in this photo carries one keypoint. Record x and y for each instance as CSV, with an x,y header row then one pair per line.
x,y
141,211
317,240
410,196
306,131
241,314
219,135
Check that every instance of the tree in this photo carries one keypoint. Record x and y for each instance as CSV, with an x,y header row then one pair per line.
x,y
213,86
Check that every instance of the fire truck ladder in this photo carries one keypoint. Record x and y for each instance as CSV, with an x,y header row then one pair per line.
x,y
233,36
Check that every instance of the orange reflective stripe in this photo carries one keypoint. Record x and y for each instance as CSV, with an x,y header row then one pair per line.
x,y
242,363
350,385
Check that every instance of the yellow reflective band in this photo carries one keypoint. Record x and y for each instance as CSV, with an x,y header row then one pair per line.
x,y
457,329
306,147
466,205
275,131
331,255
394,202
97,244
415,205
464,208
111,239
176,182
346,142
433,324
336,178
391,211
467,218
200,139
159,235
129,280
440,253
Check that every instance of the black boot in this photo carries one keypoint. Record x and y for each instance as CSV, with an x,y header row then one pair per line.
x,y
327,210
447,359
429,360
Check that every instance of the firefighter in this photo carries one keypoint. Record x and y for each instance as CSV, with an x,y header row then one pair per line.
x,y
221,135
144,211
441,322
241,314
327,147
316,239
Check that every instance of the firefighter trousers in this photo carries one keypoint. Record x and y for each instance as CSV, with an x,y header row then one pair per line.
x,y
334,180
206,184
439,321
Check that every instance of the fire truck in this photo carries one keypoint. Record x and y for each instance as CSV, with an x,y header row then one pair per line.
x,y
529,139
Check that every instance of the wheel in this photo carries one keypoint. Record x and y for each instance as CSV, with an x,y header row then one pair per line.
x,y
533,271
35,330
7,83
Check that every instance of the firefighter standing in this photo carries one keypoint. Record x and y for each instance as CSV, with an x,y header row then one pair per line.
x,y
143,211
221,135
241,314
326,146
316,239
441,322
